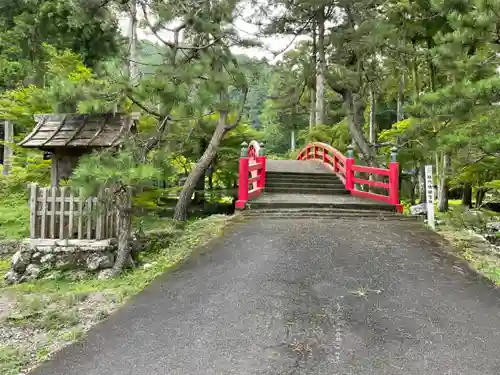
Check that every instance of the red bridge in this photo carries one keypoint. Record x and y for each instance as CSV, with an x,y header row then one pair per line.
x,y
321,182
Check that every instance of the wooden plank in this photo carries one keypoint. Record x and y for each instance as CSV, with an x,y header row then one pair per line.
x,y
72,242
58,199
98,224
28,138
33,209
105,214
80,217
78,130
89,218
71,214
62,211
53,193
43,225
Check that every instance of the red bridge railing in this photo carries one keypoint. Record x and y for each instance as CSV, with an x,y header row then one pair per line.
x,y
348,172
252,173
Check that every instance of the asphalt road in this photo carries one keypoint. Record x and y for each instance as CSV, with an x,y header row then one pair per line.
x,y
302,297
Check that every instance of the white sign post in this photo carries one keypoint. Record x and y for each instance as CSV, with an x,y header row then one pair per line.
x,y
429,191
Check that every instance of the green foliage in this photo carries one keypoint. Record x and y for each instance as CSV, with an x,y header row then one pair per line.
x,y
109,169
338,135
88,29
14,210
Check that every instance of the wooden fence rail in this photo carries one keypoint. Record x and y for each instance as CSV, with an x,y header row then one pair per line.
x,y
56,213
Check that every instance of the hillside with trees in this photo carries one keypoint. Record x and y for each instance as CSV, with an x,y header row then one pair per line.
x,y
421,76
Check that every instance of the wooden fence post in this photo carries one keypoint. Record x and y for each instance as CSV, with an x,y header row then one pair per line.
x,y
33,209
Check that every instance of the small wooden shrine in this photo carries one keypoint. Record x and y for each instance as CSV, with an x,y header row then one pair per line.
x,y
69,136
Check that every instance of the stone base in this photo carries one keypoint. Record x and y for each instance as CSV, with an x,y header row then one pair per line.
x,y
35,257
8,247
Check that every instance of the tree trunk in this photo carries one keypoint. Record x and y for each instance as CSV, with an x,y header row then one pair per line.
x,y
401,93
372,132
355,123
199,194
480,193
413,192
124,204
415,75
439,173
373,125
314,61
292,140
467,194
181,209
444,189
133,69
421,178
312,110
320,73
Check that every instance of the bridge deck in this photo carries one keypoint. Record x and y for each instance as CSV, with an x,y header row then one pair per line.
x,y
297,166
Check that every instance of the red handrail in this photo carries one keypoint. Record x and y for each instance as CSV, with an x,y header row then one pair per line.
x,y
345,169
252,173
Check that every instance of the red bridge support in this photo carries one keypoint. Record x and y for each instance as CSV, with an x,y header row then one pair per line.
x,y
252,173
346,170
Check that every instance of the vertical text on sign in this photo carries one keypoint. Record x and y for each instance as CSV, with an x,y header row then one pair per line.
x,y
429,190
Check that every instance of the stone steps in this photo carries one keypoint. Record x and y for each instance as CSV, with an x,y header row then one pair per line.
x,y
312,184
328,213
319,177
304,189
354,215
314,201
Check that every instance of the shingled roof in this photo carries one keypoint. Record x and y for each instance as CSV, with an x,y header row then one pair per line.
x,y
79,130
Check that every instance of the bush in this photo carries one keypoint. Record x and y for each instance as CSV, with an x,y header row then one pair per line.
x,y
14,209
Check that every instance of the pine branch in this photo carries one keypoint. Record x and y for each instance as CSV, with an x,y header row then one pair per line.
x,y
143,107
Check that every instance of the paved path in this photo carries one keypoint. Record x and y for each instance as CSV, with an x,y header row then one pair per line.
x,y
302,297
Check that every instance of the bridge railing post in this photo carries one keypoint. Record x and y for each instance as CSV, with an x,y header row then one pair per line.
x,y
394,177
261,159
243,178
349,172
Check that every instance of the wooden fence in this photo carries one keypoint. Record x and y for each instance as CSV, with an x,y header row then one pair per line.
x,y
56,213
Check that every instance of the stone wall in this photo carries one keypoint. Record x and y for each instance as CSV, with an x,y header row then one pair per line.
x,y
9,247
35,257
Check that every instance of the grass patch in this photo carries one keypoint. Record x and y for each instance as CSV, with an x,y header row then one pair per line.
x,y
475,252
195,234
12,360
15,215
63,308
459,228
